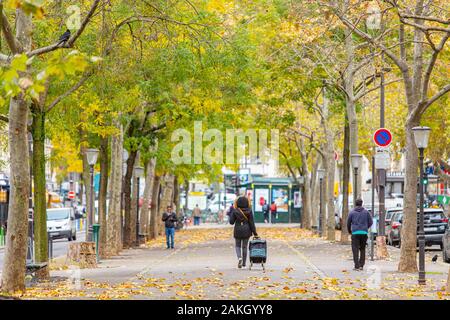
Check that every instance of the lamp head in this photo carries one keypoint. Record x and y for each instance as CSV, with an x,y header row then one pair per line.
x,y
356,161
92,155
321,173
421,136
138,172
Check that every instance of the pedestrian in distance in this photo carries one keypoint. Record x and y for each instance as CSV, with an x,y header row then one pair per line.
x,y
170,219
266,209
197,213
244,226
273,211
358,223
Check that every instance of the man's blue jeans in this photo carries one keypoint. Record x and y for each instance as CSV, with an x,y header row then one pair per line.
x,y
196,221
170,233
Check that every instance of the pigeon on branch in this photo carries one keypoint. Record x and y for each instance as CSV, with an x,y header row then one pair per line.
x,y
64,37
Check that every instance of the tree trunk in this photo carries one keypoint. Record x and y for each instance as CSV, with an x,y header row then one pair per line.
x,y
345,183
166,199
306,209
145,210
414,92
324,199
448,281
154,207
176,195
349,83
114,225
13,275
86,180
40,204
104,168
134,209
306,194
408,262
315,193
330,190
127,237
81,189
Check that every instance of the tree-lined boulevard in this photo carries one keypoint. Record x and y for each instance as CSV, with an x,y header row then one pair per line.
x,y
143,101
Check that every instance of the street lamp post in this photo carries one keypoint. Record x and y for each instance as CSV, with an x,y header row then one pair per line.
x,y
138,173
321,175
91,155
372,238
421,135
125,156
356,164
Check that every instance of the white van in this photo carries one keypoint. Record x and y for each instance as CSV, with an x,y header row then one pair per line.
x,y
61,223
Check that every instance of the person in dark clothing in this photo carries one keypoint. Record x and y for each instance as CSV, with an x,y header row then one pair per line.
x,y
265,209
170,218
244,226
273,211
358,223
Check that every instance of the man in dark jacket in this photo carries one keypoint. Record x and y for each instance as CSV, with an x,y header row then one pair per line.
x,y
170,218
358,223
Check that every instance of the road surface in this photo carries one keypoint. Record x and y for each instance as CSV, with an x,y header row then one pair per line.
x,y
59,247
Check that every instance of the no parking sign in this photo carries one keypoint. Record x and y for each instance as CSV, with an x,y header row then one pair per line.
x,y
382,137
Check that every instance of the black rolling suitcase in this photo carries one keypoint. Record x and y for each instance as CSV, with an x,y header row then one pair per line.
x,y
258,251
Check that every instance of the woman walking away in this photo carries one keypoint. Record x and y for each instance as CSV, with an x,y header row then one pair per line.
x,y
244,226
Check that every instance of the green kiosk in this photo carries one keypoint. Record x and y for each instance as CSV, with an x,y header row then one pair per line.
x,y
283,191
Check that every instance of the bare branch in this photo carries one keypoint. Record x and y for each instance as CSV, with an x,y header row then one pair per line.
x,y
433,99
70,91
4,118
431,64
424,28
400,63
434,19
73,38
11,40
366,92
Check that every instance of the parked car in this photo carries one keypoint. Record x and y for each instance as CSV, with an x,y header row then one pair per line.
x,y
389,213
393,229
435,226
61,223
446,245
387,218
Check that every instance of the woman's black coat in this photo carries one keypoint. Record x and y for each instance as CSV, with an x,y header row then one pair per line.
x,y
243,228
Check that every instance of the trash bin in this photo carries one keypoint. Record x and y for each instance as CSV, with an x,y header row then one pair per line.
x,y
96,231
2,237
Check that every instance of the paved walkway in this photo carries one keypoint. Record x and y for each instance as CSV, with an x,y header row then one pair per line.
x,y
204,266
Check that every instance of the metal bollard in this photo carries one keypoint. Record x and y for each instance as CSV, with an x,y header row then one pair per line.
x,y
50,247
96,229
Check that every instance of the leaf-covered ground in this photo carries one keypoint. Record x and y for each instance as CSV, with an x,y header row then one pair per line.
x,y
203,266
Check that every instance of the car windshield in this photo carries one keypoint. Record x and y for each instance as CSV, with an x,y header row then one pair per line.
x,y
433,216
397,217
57,214
390,213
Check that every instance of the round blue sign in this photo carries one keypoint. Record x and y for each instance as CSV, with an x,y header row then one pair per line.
x,y
382,137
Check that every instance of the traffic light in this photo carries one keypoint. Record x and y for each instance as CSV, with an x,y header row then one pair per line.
x,y
425,183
